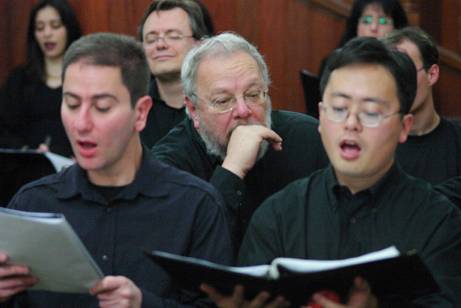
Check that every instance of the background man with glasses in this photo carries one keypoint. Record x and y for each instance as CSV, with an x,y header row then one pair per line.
x,y
168,30
433,149
232,138
363,202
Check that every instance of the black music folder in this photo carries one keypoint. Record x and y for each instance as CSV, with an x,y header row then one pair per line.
x,y
390,275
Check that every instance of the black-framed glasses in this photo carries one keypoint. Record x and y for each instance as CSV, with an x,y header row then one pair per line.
x,y
382,20
169,37
227,103
366,118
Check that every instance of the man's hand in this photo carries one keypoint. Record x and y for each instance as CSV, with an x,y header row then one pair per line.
x,y
360,296
237,300
244,145
117,291
13,278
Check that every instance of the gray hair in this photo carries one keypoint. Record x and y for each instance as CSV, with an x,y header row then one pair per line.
x,y
223,44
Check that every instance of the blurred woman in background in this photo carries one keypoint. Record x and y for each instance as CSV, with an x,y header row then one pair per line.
x,y
30,99
374,18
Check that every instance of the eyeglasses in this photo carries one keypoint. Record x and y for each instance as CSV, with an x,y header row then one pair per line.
x,y
366,118
168,37
226,104
382,21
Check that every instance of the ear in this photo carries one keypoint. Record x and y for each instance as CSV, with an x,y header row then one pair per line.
x,y
192,109
433,74
142,108
320,115
407,122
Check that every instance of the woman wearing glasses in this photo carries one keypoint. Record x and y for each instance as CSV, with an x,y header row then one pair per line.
x,y
374,18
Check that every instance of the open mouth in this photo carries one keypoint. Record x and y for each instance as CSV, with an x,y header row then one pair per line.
x,y
86,148
350,149
50,46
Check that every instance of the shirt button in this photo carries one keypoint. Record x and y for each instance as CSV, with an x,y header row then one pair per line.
x,y
105,257
353,220
239,193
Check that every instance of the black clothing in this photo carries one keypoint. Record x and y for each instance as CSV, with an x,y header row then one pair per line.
x,y
161,118
434,157
30,111
316,218
163,208
302,154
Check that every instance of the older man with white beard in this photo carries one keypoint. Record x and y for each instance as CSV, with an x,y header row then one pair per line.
x,y
232,138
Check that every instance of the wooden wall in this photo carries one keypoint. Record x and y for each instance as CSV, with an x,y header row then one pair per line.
x,y
291,34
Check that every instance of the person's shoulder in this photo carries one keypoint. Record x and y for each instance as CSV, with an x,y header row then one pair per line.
x,y
293,118
451,126
17,76
173,179
178,137
41,190
291,197
422,195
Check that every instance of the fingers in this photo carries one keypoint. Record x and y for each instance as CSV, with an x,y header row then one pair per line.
x,y
324,302
12,285
117,291
3,257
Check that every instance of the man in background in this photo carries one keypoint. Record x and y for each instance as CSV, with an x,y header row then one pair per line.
x,y
168,30
232,137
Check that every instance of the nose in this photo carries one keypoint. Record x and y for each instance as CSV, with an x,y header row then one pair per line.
x,y
241,107
83,122
353,122
47,30
161,43
374,26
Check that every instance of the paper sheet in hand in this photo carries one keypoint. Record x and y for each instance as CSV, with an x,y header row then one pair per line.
x,y
49,246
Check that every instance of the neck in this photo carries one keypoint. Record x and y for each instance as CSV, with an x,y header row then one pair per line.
x,y
361,182
124,171
171,92
53,70
426,119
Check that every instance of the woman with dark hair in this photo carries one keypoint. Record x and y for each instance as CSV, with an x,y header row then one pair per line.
x,y
31,97
374,18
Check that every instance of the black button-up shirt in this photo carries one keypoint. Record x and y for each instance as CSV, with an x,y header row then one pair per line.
x,y
315,218
302,154
163,208
161,118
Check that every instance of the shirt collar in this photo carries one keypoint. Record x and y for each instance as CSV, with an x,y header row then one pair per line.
x,y
147,182
333,187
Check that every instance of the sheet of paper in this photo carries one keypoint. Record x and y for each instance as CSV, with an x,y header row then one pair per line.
x,y
49,246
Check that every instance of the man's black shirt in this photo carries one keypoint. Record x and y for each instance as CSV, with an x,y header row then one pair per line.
x,y
302,154
163,208
315,218
161,118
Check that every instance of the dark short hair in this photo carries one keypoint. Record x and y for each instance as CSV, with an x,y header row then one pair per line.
x,y
423,41
369,50
115,50
199,17
391,8
35,57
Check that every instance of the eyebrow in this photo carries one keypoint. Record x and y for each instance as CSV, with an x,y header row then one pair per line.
x,y
368,99
94,97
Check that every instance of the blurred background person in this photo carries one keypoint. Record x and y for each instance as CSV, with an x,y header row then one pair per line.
x,y
374,18
30,99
